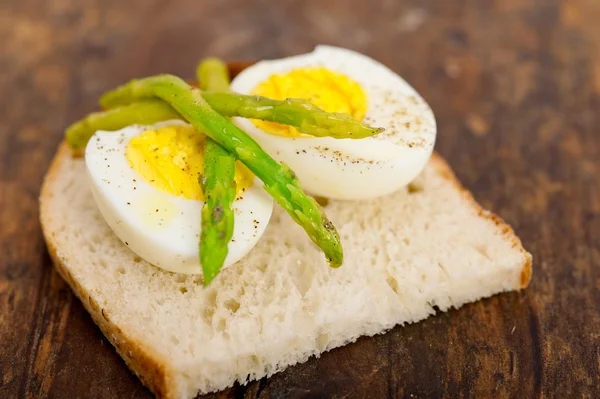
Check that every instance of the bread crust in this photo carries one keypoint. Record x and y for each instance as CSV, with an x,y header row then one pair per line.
x,y
152,369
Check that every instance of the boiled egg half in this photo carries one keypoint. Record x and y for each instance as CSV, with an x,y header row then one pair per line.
x,y
145,181
340,80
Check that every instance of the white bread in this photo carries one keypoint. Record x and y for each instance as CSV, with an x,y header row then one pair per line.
x,y
428,245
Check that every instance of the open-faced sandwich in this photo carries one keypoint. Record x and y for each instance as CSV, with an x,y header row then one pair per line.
x,y
222,231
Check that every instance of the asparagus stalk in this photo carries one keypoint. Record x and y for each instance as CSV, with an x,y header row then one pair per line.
x,y
306,117
145,112
213,75
279,180
218,183
302,114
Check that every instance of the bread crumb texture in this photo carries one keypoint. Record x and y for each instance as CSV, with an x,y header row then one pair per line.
x,y
404,254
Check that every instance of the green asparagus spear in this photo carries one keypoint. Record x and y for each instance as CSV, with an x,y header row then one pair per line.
x,y
213,74
218,183
302,114
279,180
218,186
144,112
306,117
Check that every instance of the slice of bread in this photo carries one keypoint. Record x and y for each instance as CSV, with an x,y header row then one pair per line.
x,y
427,245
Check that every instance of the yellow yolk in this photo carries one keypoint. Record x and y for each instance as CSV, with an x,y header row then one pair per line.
x,y
171,159
330,91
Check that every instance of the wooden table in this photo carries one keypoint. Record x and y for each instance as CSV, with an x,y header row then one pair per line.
x,y
515,86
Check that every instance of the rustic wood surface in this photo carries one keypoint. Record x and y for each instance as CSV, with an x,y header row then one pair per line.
x,y
515,85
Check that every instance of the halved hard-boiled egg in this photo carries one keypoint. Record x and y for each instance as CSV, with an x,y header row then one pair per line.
x,y
340,80
145,180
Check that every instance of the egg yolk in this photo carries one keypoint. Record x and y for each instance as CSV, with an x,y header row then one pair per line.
x,y
171,159
330,91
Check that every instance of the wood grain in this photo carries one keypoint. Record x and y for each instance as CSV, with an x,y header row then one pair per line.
x,y
515,85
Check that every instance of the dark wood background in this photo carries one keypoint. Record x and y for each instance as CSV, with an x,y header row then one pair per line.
x,y
515,86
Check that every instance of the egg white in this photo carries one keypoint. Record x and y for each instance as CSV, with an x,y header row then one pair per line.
x,y
347,168
161,228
